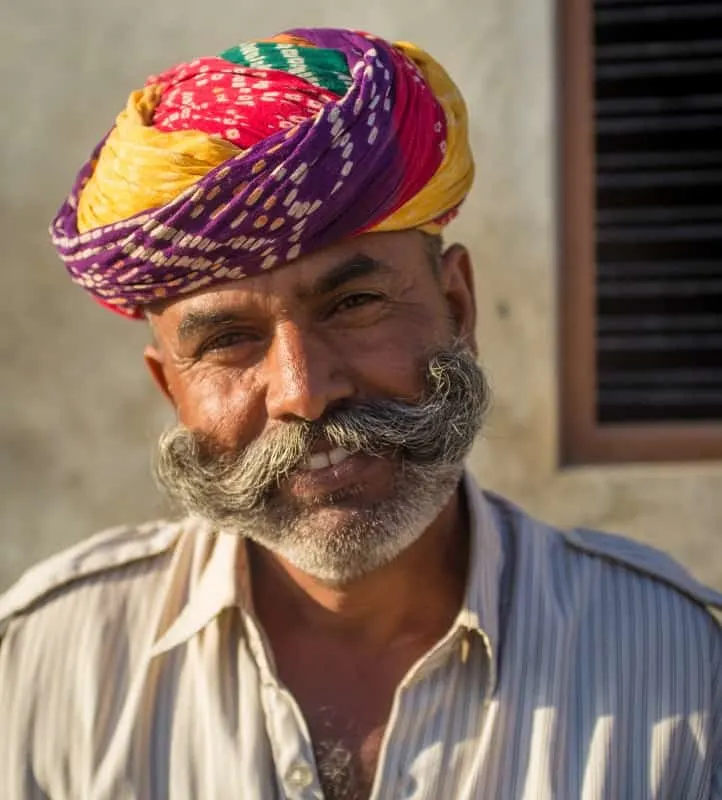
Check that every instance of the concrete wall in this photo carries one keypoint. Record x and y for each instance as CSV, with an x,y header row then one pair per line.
x,y
78,415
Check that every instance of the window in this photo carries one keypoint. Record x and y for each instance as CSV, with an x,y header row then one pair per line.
x,y
641,279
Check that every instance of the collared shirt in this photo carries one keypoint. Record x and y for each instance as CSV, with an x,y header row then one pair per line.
x,y
584,666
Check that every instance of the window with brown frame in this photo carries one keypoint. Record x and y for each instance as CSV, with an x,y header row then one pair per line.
x,y
641,233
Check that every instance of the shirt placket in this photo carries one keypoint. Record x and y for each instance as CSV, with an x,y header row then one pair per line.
x,y
296,774
391,781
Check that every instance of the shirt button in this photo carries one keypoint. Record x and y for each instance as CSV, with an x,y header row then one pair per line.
x,y
300,776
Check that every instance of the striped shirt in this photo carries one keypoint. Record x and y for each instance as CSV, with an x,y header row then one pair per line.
x,y
580,666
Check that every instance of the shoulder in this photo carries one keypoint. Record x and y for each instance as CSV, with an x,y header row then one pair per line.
x,y
74,632
617,555
622,553
608,582
122,552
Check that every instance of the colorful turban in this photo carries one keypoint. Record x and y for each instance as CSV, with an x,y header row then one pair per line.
x,y
224,167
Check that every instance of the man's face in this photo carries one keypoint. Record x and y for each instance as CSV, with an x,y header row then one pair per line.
x,y
260,368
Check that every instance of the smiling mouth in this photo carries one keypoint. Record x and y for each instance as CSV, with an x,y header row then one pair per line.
x,y
335,475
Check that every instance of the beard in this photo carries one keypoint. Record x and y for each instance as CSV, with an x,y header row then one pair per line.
x,y
337,538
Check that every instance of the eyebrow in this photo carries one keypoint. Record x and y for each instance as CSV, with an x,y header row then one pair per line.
x,y
195,322
358,266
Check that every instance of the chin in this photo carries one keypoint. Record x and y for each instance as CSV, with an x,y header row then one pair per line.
x,y
344,555
328,520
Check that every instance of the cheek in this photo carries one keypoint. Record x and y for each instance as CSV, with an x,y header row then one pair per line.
x,y
221,404
394,372
391,362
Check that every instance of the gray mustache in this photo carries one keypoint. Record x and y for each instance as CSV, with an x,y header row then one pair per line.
x,y
436,431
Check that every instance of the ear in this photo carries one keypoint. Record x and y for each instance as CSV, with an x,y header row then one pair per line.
x,y
153,357
457,284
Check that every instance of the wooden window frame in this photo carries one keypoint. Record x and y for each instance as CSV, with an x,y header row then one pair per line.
x,y
583,439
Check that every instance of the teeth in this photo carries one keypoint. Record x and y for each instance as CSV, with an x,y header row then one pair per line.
x,y
337,455
323,460
317,461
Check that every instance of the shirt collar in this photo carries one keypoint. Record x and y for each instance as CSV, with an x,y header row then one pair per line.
x,y
219,578
480,610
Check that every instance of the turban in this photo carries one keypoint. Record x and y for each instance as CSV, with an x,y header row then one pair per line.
x,y
227,166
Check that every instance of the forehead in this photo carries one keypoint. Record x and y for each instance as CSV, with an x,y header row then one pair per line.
x,y
397,255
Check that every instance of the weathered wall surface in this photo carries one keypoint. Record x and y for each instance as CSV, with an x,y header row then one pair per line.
x,y
78,416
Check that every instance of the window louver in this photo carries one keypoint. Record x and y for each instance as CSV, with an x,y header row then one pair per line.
x,y
658,158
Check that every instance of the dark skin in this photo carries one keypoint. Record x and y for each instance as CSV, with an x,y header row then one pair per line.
x,y
356,320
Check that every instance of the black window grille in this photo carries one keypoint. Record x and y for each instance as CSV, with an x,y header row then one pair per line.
x,y
657,83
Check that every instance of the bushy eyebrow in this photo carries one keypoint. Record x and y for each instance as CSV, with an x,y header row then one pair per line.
x,y
197,322
358,266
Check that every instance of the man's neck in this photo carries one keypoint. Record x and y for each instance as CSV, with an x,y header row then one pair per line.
x,y
416,596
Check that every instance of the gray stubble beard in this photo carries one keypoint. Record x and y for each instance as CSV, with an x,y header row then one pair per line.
x,y
337,541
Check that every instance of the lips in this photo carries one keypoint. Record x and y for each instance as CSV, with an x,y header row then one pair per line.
x,y
340,473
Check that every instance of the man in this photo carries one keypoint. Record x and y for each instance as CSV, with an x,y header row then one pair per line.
x,y
342,613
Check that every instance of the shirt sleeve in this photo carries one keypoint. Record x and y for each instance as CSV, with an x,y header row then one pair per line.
x,y
17,700
716,783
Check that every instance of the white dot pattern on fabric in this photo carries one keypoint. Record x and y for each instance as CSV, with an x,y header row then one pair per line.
x,y
357,121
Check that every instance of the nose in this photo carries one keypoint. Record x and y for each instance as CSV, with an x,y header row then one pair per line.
x,y
305,375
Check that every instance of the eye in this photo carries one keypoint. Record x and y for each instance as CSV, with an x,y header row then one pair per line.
x,y
226,340
356,300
